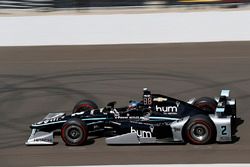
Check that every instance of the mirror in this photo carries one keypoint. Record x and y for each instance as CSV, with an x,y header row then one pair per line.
x,y
111,104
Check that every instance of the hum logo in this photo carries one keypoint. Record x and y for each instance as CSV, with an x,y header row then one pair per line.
x,y
141,133
167,109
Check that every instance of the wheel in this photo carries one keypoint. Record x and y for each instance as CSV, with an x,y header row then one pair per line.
x,y
84,105
74,132
207,104
200,130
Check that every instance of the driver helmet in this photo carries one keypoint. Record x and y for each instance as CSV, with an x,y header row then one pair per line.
x,y
133,104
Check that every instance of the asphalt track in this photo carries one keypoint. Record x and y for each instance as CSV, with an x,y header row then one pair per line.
x,y
38,80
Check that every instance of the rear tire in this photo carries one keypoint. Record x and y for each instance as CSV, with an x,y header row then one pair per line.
x,y
200,130
84,105
207,104
74,132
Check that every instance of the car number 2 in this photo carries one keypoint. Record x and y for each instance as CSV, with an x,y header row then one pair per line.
x,y
223,130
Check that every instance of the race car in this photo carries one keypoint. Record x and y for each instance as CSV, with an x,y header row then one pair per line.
x,y
154,119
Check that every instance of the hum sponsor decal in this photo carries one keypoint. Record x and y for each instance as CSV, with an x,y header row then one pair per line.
x,y
141,133
168,109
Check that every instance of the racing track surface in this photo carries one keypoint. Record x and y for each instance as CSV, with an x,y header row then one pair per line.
x,y
38,80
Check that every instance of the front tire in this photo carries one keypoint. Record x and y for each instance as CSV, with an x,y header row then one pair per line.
x,y
200,130
74,132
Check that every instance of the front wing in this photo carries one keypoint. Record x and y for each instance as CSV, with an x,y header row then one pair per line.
x,y
40,138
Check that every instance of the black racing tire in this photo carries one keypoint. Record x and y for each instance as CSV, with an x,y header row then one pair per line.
x,y
199,130
207,104
84,105
74,132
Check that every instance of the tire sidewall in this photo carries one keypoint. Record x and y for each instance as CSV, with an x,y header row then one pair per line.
x,y
207,103
88,104
205,121
78,123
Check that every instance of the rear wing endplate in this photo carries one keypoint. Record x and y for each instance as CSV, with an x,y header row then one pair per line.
x,y
225,93
220,109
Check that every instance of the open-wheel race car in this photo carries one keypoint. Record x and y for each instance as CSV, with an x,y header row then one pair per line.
x,y
154,119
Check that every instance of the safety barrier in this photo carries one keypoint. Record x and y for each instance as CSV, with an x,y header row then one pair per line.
x,y
173,27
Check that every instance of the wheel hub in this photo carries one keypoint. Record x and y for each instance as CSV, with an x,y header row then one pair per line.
x,y
74,133
199,132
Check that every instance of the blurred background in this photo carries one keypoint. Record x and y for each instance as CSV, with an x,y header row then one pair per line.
x,y
53,5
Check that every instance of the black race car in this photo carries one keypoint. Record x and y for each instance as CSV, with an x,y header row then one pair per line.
x,y
154,119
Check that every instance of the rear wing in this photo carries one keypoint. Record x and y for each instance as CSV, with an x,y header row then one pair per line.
x,y
225,93
226,106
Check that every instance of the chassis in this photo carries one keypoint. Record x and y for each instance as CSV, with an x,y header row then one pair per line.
x,y
155,119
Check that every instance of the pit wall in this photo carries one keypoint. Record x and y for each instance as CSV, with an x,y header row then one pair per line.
x,y
211,26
